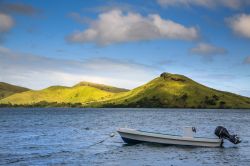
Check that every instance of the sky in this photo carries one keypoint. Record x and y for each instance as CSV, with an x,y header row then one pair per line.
x,y
125,43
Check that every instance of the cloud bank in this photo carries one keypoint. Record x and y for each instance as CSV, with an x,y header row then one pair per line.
x,y
233,4
39,72
116,27
240,24
207,50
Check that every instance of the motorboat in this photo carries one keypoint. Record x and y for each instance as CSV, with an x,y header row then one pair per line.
x,y
133,136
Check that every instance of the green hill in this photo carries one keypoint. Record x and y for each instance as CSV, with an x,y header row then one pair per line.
x,y
8,89
176,91
81,93
166,91
102,87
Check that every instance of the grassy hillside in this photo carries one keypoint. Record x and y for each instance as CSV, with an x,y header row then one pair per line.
x,y
8,89
102,87
166,91
176,91
59,94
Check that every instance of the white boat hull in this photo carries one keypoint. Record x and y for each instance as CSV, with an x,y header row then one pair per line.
x,y
137,136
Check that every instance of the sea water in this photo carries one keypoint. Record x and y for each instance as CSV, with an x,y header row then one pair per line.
x,y
77,136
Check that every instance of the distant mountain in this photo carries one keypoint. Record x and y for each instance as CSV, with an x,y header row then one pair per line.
x,y
8,89
166,91
176,91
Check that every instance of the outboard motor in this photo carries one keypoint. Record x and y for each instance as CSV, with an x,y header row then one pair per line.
x,y
222,132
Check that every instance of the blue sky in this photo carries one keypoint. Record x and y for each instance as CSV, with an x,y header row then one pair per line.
x,y
125,43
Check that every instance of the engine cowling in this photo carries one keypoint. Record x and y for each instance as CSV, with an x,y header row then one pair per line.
x,y
222,132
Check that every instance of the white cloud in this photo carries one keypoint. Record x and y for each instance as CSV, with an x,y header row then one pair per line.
x,y
233,4
240,24
6,23
115,26
205,49
39,72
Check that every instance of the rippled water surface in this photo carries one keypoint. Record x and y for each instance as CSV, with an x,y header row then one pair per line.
x,y
53,136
